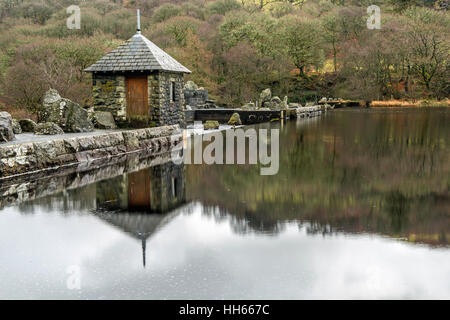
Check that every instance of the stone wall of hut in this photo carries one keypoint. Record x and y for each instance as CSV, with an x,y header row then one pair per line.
x,y
164,111
109,94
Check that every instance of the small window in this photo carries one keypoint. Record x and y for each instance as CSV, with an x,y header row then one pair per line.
x,y
174,187
172,91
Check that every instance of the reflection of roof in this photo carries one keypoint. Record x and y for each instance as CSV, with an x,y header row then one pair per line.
x,y
137,54
141,225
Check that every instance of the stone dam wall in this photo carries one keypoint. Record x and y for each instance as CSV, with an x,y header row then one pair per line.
x,y
253,116
26,158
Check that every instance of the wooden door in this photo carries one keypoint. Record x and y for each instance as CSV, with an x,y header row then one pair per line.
x,y
137,95
139,192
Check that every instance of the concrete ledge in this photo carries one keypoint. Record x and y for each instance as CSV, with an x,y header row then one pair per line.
x,y
24,158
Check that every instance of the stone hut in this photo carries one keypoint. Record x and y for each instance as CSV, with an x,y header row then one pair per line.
x,y
140,84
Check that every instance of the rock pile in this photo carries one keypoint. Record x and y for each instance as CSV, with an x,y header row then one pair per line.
x,y
6,127
267,102
48,128
65,113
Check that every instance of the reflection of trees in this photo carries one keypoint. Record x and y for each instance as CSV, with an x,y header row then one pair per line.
x,y
383,172
248,223
397,206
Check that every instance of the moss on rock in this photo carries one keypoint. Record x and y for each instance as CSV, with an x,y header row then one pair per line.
x,y
235,119
211,124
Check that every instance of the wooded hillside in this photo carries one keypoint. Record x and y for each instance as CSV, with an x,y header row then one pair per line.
x,y
235,48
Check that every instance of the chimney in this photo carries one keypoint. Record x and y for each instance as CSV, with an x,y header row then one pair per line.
x,y
138,22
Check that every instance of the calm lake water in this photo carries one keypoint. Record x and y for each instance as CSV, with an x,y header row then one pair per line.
x,y
360,208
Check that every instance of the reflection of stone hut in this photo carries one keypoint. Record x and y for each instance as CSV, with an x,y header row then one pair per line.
x,y
134,202
139,84
156,189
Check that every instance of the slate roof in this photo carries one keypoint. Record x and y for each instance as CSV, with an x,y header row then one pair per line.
x,y
137,54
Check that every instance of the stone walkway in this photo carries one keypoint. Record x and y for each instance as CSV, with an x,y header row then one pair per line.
x,y
30,137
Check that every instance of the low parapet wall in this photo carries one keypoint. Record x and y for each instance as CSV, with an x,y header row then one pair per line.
x,y
24,158
251,116
247,116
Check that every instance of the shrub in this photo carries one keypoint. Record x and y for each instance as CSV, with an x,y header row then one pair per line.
x,y
165,12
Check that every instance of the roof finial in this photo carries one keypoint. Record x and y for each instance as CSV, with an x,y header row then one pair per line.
x,y
138,22
144,243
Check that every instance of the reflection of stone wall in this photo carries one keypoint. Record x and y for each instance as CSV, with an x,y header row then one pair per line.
x,y
111,194
168,186
158,189
27,157
109,95
25,189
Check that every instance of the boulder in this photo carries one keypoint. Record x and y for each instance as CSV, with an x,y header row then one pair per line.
x,y
51,96
27,125
190,85
276,100
275,103
17,129
65,113
48,128
235,119
211,124
249,106
104,120
265,96
77,119
6,127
